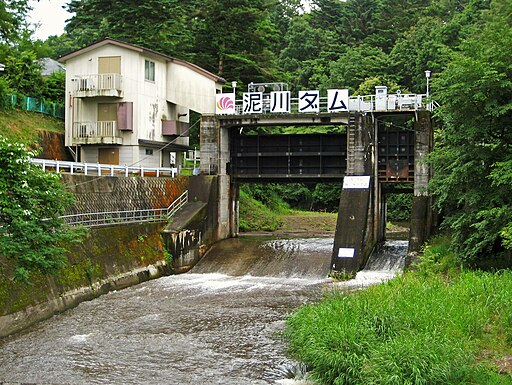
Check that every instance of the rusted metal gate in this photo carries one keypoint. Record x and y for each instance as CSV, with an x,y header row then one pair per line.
x,y
395,154
267,158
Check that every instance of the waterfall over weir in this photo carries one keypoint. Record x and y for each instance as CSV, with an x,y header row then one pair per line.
x,y
307,258
385,263
218,324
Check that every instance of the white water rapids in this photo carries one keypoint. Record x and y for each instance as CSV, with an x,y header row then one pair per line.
x,y
218,324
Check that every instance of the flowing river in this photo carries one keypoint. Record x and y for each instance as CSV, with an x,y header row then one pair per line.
x,y
218,324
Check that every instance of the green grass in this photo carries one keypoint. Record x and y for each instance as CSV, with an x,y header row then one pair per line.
x,y
24,127
415,329
255,216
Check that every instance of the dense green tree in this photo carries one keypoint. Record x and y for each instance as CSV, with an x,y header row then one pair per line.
x,y
234,39
54,87
231,38
357,64
367,87
471,180
23,73
31,201
162,25
12,19
306,56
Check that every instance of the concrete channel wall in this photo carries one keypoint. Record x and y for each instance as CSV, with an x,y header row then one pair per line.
x,y
118,256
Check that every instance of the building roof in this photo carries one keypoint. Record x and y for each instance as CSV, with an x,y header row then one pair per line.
x,y
145,51
49,66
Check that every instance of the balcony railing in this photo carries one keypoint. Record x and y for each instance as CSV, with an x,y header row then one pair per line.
x,y
104,169
98,85
101,132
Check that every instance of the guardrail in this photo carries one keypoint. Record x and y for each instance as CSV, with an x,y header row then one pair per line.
x,y
126,216
359,103
108,81
103,169
97,129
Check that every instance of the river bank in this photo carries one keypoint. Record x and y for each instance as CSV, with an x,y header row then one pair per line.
x,y
319,224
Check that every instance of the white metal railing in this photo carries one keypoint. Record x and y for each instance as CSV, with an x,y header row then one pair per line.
x,y
177,204
97,82
363,103
191,161
126,216
103,169
92,130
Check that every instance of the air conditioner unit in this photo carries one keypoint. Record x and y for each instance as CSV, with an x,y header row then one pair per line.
x,y
267,88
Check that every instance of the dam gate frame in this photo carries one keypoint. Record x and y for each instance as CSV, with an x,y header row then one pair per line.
x,y
374,157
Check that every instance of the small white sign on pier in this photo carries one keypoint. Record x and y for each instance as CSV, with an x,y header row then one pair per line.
x,y
346,252
356,182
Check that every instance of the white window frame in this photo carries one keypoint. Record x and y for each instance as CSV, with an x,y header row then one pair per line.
x,y
149,70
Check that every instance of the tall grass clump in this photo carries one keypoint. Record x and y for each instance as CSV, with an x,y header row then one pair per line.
x,y
255,216
415,329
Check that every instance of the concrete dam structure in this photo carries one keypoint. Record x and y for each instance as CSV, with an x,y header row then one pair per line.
x,y
370,157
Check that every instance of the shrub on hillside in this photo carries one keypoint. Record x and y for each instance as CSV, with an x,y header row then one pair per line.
x,y
31,201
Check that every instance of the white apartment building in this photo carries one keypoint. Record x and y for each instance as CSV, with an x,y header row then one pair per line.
x,y
129,105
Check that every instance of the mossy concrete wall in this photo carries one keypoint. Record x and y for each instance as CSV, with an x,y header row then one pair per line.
x,y
110,258
112,193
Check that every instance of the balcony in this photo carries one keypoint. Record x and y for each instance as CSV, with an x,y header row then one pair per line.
x,y
96,133
174,128
90,86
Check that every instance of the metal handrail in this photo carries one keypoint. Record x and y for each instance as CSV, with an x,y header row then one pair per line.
x,y
177,204
96,129
100,169
97,82
126,216
359,103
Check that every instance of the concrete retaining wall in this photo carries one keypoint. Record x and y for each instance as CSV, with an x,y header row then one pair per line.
x,y
106,193
110,258
114,257
197,226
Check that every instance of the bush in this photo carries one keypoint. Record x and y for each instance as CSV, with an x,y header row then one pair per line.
x,y
399,207
411,330
438,256
31,201
255,216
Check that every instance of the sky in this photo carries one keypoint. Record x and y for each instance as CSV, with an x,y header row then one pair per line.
x,y
51,16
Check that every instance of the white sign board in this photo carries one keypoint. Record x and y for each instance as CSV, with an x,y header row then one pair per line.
x,y
345,252
253,102
225,104
309,101
356,182
337,100
280,101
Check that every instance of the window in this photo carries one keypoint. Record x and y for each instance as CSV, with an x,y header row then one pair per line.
x,y
149,151
149,70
